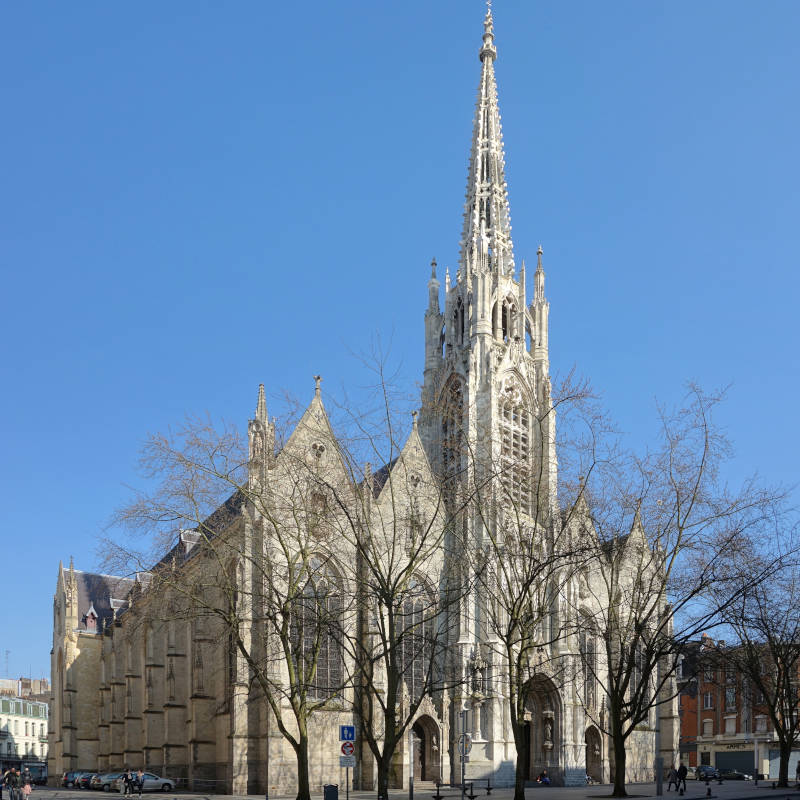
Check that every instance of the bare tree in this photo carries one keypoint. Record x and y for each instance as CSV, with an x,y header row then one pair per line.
x,y
404,543
667,526
765,620
526,554
262,564
325,580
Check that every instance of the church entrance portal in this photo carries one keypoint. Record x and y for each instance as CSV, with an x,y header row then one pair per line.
x,y
541,750
594,764
425,733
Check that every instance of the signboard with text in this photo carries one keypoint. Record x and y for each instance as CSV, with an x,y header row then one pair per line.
x,y
347,761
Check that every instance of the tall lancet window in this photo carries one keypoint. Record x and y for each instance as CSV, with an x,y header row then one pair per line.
x,y
315,623
452,434
416,651
458,322
515,455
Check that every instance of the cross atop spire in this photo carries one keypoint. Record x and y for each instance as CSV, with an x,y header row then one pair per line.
x,y
486,239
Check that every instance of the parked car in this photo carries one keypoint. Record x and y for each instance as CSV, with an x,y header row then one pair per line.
x,y
705,772
733,775
84,781
152,783
103,780
69,779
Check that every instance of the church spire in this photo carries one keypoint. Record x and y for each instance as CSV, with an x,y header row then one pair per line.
x,y
486,238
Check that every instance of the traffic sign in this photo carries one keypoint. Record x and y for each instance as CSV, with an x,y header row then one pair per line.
x,y
347,733
348,748
347,761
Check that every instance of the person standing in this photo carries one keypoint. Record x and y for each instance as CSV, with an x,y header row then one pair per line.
x,y
27,784
140,781
682,771
127,782
672,778
14,785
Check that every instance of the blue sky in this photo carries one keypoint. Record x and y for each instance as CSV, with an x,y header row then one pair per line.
x,y
199,197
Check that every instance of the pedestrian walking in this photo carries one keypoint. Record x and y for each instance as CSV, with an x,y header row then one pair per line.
x,y
127,782
14,785
682,771
672,778
27,784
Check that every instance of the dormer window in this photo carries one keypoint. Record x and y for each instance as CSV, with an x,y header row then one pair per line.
x,y
91,620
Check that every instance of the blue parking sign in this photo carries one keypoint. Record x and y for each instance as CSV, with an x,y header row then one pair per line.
x,y
347,733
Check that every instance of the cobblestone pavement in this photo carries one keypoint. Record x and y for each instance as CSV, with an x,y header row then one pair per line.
x,y
695,790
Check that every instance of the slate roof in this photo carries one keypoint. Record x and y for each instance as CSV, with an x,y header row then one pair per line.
x,y
96,590
109,593
380,476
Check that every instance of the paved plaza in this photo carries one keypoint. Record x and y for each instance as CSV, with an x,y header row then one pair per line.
x,y
695,790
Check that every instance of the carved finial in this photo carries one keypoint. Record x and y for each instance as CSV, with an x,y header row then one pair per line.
x,y
414,420
539,252
317,382
261,405
433,267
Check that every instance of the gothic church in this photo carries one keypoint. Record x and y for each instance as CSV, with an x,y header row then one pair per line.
x,y
127,694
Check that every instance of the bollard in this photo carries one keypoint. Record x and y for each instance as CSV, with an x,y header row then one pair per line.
x,y
708,791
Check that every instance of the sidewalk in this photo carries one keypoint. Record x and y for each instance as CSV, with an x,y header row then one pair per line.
x,y
695,790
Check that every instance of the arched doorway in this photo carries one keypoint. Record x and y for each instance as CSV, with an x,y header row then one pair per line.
x,y
542,750
427,758
594,754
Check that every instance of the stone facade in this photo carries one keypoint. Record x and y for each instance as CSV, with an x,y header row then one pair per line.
x,y
173,698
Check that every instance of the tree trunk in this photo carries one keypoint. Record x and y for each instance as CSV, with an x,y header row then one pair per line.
x,y
519,779
783,769
619,763
384,764
303,786
521,769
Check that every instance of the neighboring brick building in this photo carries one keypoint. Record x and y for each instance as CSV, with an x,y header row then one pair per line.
x,y
720,711
687,708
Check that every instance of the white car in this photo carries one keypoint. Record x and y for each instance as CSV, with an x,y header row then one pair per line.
x,y
151,783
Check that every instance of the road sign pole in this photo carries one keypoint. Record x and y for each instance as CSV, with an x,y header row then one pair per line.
x,y
347,781
461,750
410,764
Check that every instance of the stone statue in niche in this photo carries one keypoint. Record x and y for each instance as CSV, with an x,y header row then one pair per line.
x,y
258,446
